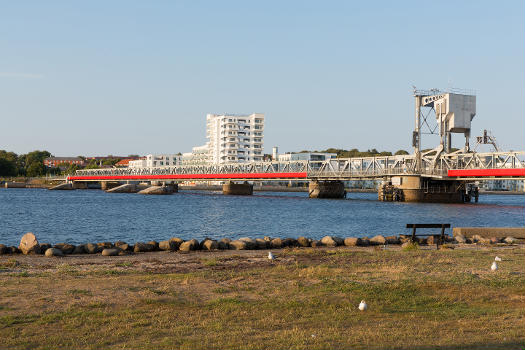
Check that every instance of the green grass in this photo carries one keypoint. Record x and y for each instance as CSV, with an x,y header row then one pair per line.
x,y
418,299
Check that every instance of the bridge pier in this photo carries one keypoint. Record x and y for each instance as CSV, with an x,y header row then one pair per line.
x,y
232,188
79,185
326,189
107,185
421,189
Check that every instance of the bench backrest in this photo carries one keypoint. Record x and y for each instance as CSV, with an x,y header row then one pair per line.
x,y
428,225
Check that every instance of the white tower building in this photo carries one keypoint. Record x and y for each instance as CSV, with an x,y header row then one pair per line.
x,y
235,138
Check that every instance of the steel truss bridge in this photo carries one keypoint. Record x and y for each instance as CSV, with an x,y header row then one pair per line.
x,y
451,166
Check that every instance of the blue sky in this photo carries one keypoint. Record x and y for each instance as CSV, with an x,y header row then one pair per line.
x,y
124,77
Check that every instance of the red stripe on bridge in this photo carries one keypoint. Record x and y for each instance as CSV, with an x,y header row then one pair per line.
x,y
486,172
194,176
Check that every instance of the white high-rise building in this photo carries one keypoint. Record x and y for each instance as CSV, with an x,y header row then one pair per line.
x,y
231,139
235,138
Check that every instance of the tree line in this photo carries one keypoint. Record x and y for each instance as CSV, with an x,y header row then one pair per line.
x,y
354,152
32,164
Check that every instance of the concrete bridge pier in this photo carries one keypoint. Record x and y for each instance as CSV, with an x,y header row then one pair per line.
x,y
174,186
107,185
420,189
231,188
79,185
326,189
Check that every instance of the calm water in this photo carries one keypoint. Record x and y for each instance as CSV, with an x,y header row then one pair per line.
x,y
94,216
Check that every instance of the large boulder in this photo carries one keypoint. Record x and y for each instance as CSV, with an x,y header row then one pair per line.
x,y
141,247
460,238
363,242
431,240
111,251
224,243
13,250
119,243
168,246
92,248
290,242
261,243
79,249
510,240
192,244
315,243
53,252
250,242
238,245
276,243
352,241
377,240
480,239
154,244
103,245
303,241
29,244
177,241
210,244
65,247
493,240
393,240
331,241
123,246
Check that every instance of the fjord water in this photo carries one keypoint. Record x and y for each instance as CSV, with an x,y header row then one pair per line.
x,y
94,216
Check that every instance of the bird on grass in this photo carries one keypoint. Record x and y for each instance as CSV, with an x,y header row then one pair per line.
x,y
497,258
494,266
362,305
271,256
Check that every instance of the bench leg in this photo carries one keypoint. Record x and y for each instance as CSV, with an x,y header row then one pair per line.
x,y
442,237
413,234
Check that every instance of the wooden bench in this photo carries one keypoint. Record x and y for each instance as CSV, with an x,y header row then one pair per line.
x,y
440,237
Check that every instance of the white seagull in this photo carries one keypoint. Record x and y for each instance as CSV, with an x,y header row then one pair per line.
x,y
362,305
497,258
494,266
271,256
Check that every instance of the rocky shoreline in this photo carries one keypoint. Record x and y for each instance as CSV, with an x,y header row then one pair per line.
x,y
29,244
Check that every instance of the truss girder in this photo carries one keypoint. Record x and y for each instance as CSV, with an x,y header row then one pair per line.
x,y
342,168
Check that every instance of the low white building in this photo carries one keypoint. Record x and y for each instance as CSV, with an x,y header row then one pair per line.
x,y
310,156
156,160
198,155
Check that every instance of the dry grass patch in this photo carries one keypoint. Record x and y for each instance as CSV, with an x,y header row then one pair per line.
x,y
307,299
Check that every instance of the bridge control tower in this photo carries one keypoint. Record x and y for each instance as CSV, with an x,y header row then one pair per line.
x,y
453,112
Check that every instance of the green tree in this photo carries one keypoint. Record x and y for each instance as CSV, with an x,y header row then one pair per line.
x,y
36,169
92,165
7,167
71,169
36,157
401,152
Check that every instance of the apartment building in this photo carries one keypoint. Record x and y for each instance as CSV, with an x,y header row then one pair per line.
x,y
235,138
53,162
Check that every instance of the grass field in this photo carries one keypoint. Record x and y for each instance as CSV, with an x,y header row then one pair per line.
x,y
307,299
